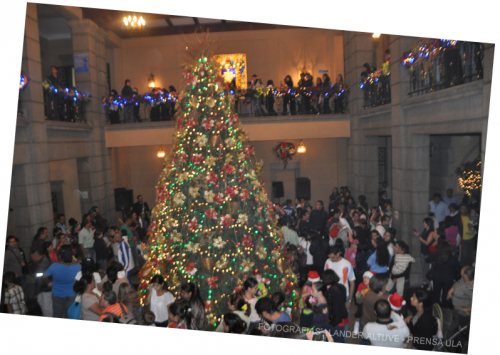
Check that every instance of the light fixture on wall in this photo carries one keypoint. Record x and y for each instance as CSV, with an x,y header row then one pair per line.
x,y
161,153
376,35
301,148
133,21
151,81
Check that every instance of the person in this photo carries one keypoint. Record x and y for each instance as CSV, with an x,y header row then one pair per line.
x,y
461,295
306,87
334,293
449,198
302,222
89,267
402,260
423,325
14,260
380,259
114,107
127,93
383,225
86,240
343,269
445,269
130,298
191,293
110,306
439,208
267,309
181,316
159,299
289,98
290,212
141,208
255,84
325,92
124,254
376,292
116,276
289,235
13,295
390,239
468,247
270,99
318,217
90,309
43,292
382,332
101,250
63,278
338,99
53,100
40,237
148,318
232,323
238,306
250,289
426,239
127,229
363,288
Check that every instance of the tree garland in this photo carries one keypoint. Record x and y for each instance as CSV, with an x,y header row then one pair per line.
x,y
469,176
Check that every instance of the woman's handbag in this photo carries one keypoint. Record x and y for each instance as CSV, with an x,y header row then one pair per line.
x,y
75,309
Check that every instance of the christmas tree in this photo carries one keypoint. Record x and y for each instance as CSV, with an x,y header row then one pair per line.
x,y
213,223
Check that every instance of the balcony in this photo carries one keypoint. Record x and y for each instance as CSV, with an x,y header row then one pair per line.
x,y
438,64
67,105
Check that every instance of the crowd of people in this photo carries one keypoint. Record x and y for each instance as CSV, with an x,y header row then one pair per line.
x,y
347,258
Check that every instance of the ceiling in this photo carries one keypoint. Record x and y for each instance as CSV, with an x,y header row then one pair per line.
x,y
51,25
164,25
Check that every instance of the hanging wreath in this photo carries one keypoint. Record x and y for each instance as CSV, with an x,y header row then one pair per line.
x,y
285,151
469,176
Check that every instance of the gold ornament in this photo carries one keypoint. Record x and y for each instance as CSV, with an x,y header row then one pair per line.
x,y
234,207
282,265
208,264
275,255
222,263
247,265
261,252
147,270
214,140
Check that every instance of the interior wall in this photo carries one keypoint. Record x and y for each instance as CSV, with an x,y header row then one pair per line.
x,y
271,54
55,52
67,171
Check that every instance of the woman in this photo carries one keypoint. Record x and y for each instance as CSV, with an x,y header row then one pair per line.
x,y
445,270
159,299
338,100
302,225
335,194
90,302
289,98
423,325
48,250
452,234
390,239
362,203
375,218
191,293
336,299
376,292
325,91
238,306
232,323
130,299
63,278
116,275
250,288
379,261
180,316
40,237
427,238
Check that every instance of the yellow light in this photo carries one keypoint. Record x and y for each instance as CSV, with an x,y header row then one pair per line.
x,y
301,148
135,18
376,35
125,21
129,19
161,153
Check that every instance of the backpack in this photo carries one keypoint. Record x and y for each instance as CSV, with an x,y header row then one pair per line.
x,y
125,319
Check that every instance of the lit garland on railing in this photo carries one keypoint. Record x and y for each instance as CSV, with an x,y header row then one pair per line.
x,y
426,49
151,98
66,93
469,176
24,82
295,92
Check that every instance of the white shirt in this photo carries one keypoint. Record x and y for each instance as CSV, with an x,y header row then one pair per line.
x,y
380,335
390,248
440,210
344,271
306,245
159,305
97,279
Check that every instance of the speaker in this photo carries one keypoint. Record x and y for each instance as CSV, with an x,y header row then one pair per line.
x,y
124,199
303,188
278,190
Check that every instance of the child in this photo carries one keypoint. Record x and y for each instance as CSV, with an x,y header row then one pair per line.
x,y
397,302
361,292
307,314
402,260
261,286
312,277
148,318
180,316
279,299
14,295
101,251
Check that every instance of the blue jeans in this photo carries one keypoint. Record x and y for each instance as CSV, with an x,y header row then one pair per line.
x,y
60,306
257,102
128,113
339,333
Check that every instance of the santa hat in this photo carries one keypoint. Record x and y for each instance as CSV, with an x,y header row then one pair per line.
x,y
313,276
368,274
396,301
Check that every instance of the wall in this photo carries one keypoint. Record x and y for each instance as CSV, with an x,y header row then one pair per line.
x,y
324,164
55,52
271,54
66,171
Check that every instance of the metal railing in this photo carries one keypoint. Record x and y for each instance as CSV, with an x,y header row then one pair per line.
x,y
376,90
443,65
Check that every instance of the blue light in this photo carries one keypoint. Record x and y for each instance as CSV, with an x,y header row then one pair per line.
x,y
55,90
361,86
67,90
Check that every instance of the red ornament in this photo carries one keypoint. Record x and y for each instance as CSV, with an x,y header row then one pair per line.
x,y
162,194
229,169
221,125
260,227
250,150
212,178
190,267
182,156
211,213
238,289
219,198
225,220
232,191
169,259
247,240
193,224
241,173
208,123
232,119
197,158
244,194
212,282
208,305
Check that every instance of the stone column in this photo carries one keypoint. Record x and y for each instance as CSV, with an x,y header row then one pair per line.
x,y
89,39
31,193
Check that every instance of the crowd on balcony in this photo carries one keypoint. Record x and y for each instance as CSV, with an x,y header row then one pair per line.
x,y
376,83
353,269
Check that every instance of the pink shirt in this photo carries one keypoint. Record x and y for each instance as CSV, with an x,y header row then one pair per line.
x,y
350,254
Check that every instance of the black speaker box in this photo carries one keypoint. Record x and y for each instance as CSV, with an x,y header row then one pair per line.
x,y
124,199
303,188
278,190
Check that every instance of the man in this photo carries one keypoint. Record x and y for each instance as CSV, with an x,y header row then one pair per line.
x,y
124,254
127,231
318,217
289,235
468,247
53,100
86,240
343,269
267,309
127,93
449,198
385,332
61,223
108,302
41,235
439,208
43,292
113,236
256,101
14,260
290,212
384,224
461,295
14,295
141,209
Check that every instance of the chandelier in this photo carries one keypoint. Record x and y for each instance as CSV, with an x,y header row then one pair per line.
x,y
133,21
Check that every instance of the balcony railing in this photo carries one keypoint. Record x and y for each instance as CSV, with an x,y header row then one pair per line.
x,y
67,104
437,64
301,101
376,87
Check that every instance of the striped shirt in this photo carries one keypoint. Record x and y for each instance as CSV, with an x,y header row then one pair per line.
x,y
14,296
125,256
114,309
290,236
401,262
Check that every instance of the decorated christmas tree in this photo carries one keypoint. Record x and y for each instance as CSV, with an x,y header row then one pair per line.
x,y
213,223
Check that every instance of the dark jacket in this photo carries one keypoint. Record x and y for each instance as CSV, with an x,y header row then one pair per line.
x,y
40,268
55,81
127,91
101,251
319,251
337,301
318,219
137,207
426,327
449,270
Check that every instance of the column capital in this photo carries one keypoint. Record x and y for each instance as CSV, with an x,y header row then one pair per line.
x,y
83,26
